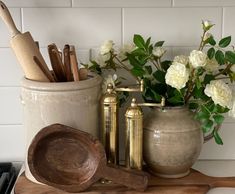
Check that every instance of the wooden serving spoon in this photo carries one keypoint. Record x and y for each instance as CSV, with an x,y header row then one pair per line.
x,y
72,160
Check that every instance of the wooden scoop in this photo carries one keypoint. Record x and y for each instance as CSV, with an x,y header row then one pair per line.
x,y
25,48
72,160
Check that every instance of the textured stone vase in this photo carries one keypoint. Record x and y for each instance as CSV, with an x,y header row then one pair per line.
x,y
75,104
172,141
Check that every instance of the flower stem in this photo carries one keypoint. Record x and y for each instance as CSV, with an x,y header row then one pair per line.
x,y
224,71
201,46
122,65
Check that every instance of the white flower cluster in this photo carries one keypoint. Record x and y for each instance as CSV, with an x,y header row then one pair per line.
x,y
158,51
177,75
106,47
197,58
220,93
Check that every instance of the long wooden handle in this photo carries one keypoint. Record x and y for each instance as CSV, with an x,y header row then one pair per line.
x,y
44,70
222,182
131,179
6,17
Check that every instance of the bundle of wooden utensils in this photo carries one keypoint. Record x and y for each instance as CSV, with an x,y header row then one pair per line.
x,y
64,65
33,63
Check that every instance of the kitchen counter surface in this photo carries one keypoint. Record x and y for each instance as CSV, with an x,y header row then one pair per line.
x,y
221,168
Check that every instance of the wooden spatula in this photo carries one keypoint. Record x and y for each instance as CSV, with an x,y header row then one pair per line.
x,y
67,64
74,63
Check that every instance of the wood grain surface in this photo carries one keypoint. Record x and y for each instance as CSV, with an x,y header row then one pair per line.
x,y
195,183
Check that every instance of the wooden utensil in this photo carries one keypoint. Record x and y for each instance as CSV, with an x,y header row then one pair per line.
x,y
56,63
83,73
72,160
194,183
67,65
24,48
74,64
47,73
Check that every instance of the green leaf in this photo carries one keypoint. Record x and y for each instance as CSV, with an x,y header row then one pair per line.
x,y
211,53
165,64
219,56
198,83
138,52
217,137
225,42
137,71
149,69
206,127
148,42
193,106
230,56
139,41
218,118
152,94
159,43
211,41
159,76
202,116
198,92
220,109
208,78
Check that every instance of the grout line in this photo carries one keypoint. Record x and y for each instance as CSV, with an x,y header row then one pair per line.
x,y
222,23
122,26
13,124
21,18
72,3
172,3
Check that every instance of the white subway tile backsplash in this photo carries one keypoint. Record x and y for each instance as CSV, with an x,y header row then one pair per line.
x,y
79,26
12,143
121,3
38,3
229,18
11,108
4,32
10,70
167,24
213,151
211,3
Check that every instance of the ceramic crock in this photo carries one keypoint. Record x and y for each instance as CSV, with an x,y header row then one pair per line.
x,y
75,104
172,141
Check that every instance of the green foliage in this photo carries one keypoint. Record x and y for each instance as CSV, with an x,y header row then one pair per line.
x,y
211,53
224,42
143,63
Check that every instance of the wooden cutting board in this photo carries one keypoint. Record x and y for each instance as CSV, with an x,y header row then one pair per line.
x,y
194,183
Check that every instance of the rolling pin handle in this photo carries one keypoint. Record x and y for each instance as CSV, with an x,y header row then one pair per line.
x,y
6,16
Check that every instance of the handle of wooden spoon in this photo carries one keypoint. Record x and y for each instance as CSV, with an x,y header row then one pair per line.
x,y
6,16
129,178
222,182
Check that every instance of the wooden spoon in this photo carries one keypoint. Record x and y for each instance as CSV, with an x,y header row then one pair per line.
x,y
72,160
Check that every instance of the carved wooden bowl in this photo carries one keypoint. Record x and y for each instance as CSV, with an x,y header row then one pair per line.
x,y
72,160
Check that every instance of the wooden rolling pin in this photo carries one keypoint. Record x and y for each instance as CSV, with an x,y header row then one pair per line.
x,y
24,48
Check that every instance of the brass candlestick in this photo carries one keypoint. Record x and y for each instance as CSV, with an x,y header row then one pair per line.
x,y
134,133
109,125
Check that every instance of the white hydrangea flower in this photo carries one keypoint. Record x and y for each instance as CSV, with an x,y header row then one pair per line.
x,y
106,47
158,51
231,113
110,79
197,58
181,59
101,59
207,35
177,75
219,92
212,65
127,48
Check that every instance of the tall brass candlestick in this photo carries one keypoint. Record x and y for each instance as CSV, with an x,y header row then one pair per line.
x,y
109,113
